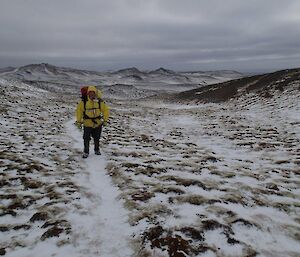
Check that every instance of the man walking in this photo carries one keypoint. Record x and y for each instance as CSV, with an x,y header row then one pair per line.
x,y
93,113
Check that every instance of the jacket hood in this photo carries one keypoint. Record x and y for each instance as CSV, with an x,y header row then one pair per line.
x,y
92,88
99,94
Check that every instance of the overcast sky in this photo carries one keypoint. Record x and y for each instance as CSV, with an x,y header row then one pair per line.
x,y
250,35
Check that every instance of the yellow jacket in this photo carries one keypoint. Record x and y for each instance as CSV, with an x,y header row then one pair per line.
x,y
92,110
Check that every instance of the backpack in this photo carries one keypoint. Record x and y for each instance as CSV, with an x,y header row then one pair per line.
x,y
83,92
84,98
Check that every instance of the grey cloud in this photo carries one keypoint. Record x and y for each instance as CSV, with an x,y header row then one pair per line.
x,y
189,34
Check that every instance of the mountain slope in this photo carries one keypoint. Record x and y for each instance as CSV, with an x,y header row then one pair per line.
x,y
131,76
214,179
264,85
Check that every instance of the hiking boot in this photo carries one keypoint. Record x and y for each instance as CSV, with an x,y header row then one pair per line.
x,y
85,155
97,152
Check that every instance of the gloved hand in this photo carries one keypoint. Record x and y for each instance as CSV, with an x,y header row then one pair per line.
x,y
78,125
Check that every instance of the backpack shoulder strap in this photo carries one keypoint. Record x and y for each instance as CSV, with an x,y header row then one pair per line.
x,y
84,100
99,102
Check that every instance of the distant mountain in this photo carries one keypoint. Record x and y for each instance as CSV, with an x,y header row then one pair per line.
x,y
129,71
223,73
38,67
144,83
264,85
47,72
121,91
163,71
6,70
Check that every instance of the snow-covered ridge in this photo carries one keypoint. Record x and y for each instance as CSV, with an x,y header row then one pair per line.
x,y
132,76
265,85
140,84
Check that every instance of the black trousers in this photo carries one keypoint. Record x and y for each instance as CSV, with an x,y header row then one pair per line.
x,y
95,133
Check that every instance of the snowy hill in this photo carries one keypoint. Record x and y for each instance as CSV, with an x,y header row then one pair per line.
x,y
7,69
49,73
212,77
158,80
214,179
265,85
129,71
121,91
205,178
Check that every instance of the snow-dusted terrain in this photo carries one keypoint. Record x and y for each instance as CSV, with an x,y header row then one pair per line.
x,y
52,201
213,179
